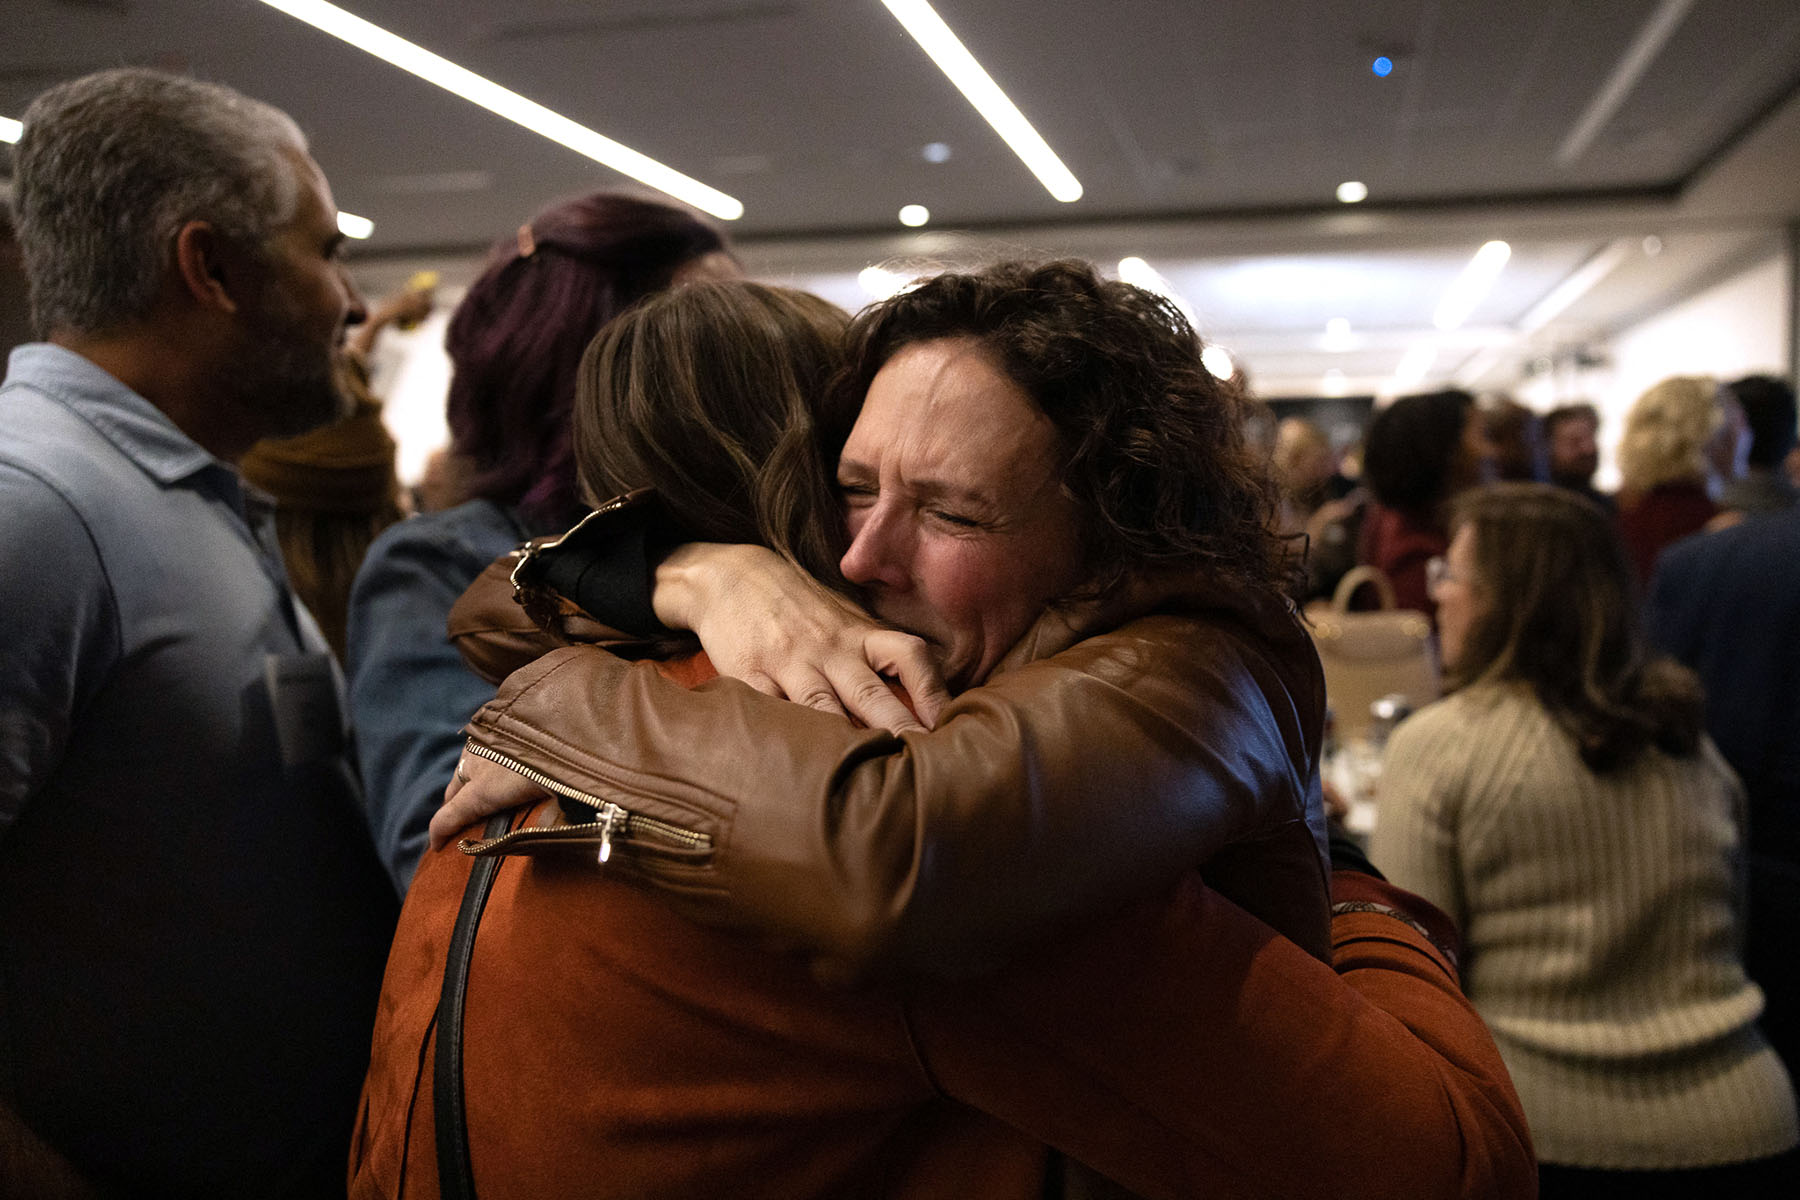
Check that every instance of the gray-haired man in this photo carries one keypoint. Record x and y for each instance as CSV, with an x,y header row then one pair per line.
x,y
192,921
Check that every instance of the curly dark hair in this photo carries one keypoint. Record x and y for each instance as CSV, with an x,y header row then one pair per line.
x,y
1154,450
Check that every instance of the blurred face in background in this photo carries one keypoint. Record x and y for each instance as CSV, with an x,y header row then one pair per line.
x,y
1575,451
1477,459
1458,595
1728,450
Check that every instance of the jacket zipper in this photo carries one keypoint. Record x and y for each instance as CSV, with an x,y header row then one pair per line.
x,y
614,819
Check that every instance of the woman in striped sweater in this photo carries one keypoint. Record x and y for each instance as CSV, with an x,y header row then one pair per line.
x,y
1564,805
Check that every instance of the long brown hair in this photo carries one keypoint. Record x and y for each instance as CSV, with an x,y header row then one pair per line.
x,y
713,394
1561,615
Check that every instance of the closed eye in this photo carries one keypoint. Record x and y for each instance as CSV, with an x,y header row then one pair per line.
x,y
856,493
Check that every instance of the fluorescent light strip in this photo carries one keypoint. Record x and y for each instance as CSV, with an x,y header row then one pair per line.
x,y
1631,67
353,226
498,100
1469,287
10,129
1479,364
1414,364
947,51
1577,284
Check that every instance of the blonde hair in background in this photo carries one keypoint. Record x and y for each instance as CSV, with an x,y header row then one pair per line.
x,y
1299,445
1666,433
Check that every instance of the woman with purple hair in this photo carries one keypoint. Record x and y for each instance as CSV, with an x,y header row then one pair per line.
x,y
514,343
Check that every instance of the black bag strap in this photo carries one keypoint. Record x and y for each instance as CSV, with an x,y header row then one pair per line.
x,y
456,1178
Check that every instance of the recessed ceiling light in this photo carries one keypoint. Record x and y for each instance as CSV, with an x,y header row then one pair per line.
x,y
351,225
1352,192
1337,334
10,129
463,82
936,152
972,80
914,215
1652,246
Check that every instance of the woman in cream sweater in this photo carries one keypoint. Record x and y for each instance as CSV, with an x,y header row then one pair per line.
x,y
1564,805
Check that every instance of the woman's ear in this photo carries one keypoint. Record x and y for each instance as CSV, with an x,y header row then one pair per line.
x,y
200,255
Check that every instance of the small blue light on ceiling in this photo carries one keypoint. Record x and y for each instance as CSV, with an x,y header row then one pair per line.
x,y
1383,66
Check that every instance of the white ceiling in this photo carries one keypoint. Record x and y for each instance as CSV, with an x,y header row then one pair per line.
x,y
1209,138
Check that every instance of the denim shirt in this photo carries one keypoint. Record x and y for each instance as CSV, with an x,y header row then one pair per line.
x,y
410,693
192,919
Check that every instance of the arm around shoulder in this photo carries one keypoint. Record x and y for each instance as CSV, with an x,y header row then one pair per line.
x,y
1058,792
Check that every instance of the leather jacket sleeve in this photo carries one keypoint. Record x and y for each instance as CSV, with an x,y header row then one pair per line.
x,y
1060,791
491,631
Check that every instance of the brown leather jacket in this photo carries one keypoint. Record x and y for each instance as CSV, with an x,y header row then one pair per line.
x,y
1093,769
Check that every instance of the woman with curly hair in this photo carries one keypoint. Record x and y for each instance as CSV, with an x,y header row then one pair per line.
x,y
1042,481
1564,806
1043,491
608,1047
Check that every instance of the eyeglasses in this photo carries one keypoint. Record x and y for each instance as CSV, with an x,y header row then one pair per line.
x,y
1438,573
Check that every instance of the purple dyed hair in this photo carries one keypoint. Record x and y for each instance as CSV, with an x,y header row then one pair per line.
x,y
517,338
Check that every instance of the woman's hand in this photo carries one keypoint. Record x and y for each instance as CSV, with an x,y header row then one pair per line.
x,y
479,789
764,621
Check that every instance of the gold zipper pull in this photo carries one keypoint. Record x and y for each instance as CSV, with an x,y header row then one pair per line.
x,y
610,814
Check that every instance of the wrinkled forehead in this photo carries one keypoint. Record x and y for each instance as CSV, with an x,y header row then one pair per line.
x,y
948,406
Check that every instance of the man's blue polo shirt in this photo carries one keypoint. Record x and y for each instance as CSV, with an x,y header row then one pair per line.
x,y
193,924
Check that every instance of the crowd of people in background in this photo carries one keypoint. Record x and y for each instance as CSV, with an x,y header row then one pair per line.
x,y
1608,800
908,780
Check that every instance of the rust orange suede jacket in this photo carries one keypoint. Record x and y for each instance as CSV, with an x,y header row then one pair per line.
x,y
615,1049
